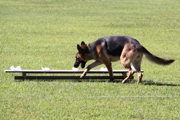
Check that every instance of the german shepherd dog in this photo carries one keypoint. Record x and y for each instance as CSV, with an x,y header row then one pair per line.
x,y
113,48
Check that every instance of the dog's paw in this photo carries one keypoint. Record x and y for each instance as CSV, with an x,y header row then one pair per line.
x,y
123,82
83,75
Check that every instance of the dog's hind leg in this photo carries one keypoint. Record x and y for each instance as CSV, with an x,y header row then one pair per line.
x,y
137,65
126,63
126,58
131,72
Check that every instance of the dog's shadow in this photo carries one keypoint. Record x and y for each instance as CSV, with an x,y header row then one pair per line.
x,y
151,82
144,82
155,83
131,81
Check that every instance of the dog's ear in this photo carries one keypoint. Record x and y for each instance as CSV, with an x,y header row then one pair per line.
x,y
79,47
83,43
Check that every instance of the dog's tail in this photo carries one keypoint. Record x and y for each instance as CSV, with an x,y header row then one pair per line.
x,y
154,58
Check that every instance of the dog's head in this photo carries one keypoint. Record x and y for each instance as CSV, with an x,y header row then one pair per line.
x,y
81,56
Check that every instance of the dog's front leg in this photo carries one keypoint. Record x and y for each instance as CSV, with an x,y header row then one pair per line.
x,y
94,64
84,73
109,67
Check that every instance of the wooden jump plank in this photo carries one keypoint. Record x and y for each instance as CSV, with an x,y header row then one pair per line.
x,y
24,72
63,71
67,77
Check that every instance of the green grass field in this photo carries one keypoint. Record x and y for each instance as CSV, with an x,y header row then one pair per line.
x,y
44,33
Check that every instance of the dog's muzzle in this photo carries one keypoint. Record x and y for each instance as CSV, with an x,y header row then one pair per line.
x,y
76,64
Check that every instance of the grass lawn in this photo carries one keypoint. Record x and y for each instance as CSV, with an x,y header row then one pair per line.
x,y
44,33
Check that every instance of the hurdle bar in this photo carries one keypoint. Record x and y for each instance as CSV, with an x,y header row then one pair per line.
x,y
25,72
